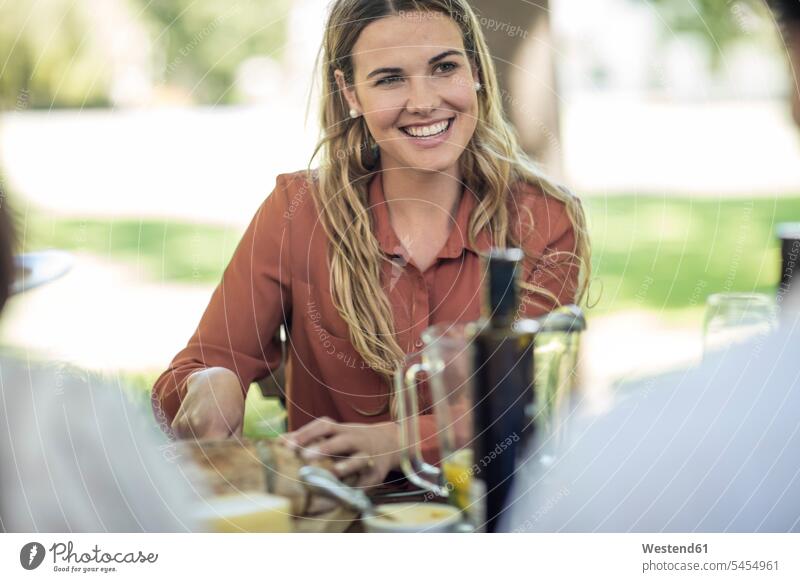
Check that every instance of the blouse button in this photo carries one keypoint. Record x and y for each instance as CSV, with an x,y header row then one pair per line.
x,y
419,343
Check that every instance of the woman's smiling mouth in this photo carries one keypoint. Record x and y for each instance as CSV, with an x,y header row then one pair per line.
x,y
431,130
430,135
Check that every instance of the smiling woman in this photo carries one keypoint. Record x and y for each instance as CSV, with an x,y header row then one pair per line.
x,y
419,174
416,87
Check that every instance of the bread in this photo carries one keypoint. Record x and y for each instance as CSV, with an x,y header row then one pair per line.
x,y
223,467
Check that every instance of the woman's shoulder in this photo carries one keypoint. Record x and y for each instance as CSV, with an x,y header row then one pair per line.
x,y
300,181
534,196
541,213
292,196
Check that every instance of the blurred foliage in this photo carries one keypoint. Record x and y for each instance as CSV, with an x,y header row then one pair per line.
x,y
671,253
62,53
161,251
263,417
50,56
719,23
202,42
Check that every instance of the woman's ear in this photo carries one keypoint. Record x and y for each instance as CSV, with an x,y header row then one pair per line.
x,y
348,92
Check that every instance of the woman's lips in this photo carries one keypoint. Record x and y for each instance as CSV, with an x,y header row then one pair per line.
x,y
431,140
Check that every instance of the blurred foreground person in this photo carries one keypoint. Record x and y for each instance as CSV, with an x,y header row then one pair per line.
x,y
714,449
75,455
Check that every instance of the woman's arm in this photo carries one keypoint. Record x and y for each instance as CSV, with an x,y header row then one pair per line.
x,y
235,343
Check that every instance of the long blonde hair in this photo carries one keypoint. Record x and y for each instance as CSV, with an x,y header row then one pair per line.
x,y
490,165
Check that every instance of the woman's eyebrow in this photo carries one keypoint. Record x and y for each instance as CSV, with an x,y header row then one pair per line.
x,y
391,70
443,55
398,70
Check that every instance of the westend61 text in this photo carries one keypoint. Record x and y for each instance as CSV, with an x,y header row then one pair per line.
x,y
670,549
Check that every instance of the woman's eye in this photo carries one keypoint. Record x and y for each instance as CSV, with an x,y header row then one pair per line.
x,y
389,80
446,67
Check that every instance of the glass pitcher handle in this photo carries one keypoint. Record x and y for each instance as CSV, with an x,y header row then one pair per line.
x,y
414,466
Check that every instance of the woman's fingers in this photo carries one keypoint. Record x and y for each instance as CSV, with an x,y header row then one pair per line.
x,y
320,504
185,429
366,450
182,425
354,464
239,430
213,406
339,445
179,425
369,474
196,425
314,430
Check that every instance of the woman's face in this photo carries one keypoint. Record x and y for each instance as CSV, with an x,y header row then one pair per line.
x,y
415,86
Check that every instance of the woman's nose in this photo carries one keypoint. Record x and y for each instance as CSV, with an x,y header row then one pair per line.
x,y
422,98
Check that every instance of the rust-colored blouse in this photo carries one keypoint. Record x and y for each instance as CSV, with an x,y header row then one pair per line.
x,y
279,273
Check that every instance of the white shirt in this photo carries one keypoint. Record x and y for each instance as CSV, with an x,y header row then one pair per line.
x,y
713,449
76,455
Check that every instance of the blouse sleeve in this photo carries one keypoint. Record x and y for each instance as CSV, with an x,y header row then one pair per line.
x,y
239,326
551,264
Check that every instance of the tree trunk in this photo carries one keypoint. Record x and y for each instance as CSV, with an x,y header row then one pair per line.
x,y
520,41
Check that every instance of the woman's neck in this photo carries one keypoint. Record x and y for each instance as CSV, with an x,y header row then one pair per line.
x,y
411,194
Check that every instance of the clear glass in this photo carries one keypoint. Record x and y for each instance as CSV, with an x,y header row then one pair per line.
x,y
734,318
439,381
556,376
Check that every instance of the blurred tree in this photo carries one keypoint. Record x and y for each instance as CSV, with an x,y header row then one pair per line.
x,y
719,23
520,40
202,42
49,57
62,53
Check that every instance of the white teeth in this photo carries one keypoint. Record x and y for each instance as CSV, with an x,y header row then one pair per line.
x,y
428,130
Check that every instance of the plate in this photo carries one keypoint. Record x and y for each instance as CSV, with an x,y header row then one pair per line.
x,y
34,269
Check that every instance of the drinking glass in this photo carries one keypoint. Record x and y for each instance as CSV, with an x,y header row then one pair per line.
x,y
437,386
734,318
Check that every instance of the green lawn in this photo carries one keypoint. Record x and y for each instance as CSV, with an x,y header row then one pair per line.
x,y
166,251
650,252
670,253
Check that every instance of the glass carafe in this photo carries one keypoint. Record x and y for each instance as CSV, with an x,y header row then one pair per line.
x,y
436,387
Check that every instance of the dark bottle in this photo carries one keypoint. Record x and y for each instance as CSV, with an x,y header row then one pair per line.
x,y
788,288
503,367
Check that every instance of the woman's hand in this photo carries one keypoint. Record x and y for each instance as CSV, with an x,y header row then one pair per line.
x,y
370,450
213,406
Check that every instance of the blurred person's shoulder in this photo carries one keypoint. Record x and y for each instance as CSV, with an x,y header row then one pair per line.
x,y
80,454
701,449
